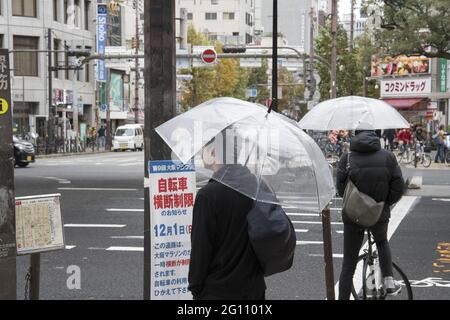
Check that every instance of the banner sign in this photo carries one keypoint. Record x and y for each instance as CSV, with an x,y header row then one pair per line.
x,y
39,226
400,66
405,87
102,31
442,75
172,195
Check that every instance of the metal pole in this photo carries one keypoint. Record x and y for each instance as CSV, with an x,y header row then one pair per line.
x,y
274,104
352,24
136,72
333,48
328,253
51,111
35,263
108,142
160,98
7,210
311,54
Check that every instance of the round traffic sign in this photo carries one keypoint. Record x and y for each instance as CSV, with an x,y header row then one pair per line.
x,y
3,106
209,56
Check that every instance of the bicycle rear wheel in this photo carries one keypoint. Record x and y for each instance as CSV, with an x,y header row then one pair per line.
x,y
359,287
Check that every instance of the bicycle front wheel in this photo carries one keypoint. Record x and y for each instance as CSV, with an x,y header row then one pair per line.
x,y
426,160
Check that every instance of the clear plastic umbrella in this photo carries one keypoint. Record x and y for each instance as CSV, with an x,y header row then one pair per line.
x,y
241,145
353,112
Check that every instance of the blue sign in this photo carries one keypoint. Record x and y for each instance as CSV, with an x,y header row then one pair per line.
x,y
170,166
102,33
103,107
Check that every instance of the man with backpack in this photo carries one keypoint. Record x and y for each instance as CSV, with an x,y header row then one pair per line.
x,y
375,172
223,264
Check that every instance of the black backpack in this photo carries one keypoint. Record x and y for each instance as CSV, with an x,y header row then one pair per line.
x,y
272,236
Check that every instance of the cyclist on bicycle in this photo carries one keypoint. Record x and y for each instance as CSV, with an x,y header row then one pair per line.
x,y
404,139
375,172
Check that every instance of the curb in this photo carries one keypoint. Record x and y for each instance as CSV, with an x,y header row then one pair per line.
x,y
60,155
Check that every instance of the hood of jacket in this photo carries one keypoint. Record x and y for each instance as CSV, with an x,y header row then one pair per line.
x,y
365,142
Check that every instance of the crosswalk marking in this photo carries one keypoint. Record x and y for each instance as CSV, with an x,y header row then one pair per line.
x,y
131,249
314,222
125,210
82,225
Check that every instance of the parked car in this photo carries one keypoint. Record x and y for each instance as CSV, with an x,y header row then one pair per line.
x,y
24,152
129,137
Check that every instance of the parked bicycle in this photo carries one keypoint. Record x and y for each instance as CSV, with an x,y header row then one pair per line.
x,y
369,285
420,156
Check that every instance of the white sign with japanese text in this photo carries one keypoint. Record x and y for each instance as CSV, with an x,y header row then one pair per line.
x,y
39,225
411,87
172,194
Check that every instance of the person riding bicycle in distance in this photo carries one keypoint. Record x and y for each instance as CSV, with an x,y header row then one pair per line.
x,y
375,172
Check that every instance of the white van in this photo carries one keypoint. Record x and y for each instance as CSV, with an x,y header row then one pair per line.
x,y
129,137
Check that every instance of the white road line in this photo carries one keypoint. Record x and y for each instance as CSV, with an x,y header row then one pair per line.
x,y
125,249
68,247
397,215
97,189
302,214
128,164
81,225
125,210
314,222
340,231
441,199
308,242
301,230
128,237
335,255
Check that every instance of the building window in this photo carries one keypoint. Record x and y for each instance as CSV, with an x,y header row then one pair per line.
x,y
228,16
24,8
1,41
190,16
76,13
248,19
87,69
87,5
55,10
211,16
248,38
56,45
26,63
214,2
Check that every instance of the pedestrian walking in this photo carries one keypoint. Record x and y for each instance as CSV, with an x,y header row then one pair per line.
x,y
389,136
439,140
101,136
223,263
375,172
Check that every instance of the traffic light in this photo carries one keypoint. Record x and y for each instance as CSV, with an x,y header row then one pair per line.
x,y
133,43
234,49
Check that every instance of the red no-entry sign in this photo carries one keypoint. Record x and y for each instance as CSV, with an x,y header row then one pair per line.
x,y
209,56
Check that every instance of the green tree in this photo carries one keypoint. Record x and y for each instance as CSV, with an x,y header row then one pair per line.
x,y
292,92
349,75
412,27
365,50
258,78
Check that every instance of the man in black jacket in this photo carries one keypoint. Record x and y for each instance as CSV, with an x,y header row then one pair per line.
x,y
223,265
375,172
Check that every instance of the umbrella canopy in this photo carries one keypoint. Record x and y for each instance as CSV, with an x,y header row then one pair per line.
x,y
351,113
242,146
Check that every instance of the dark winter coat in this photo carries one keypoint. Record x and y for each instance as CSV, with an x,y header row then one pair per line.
x,y
373,170
223,263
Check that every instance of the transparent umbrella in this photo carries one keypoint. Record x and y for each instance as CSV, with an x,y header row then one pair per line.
x,y
353,112
241,145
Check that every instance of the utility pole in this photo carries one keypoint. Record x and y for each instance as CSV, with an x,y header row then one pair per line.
x,y
108,138
160,98
7,203
352,24
311,55
333,47
137,71
274,104
51,111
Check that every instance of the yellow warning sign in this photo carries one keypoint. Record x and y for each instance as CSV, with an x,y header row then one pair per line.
x,y
3,106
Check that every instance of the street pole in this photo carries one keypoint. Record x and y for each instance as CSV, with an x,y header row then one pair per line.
x,y
311,53
136,72
160,98
352,23
108,142
274,104
51,111
7,203
333,48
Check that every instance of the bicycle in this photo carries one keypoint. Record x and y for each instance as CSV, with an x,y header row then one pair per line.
x,y
420,156
404,154
370,286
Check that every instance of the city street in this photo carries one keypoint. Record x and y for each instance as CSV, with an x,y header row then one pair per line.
x,y
102,205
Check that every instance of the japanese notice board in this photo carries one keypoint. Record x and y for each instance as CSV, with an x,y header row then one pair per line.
x,y
39,225
172,194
